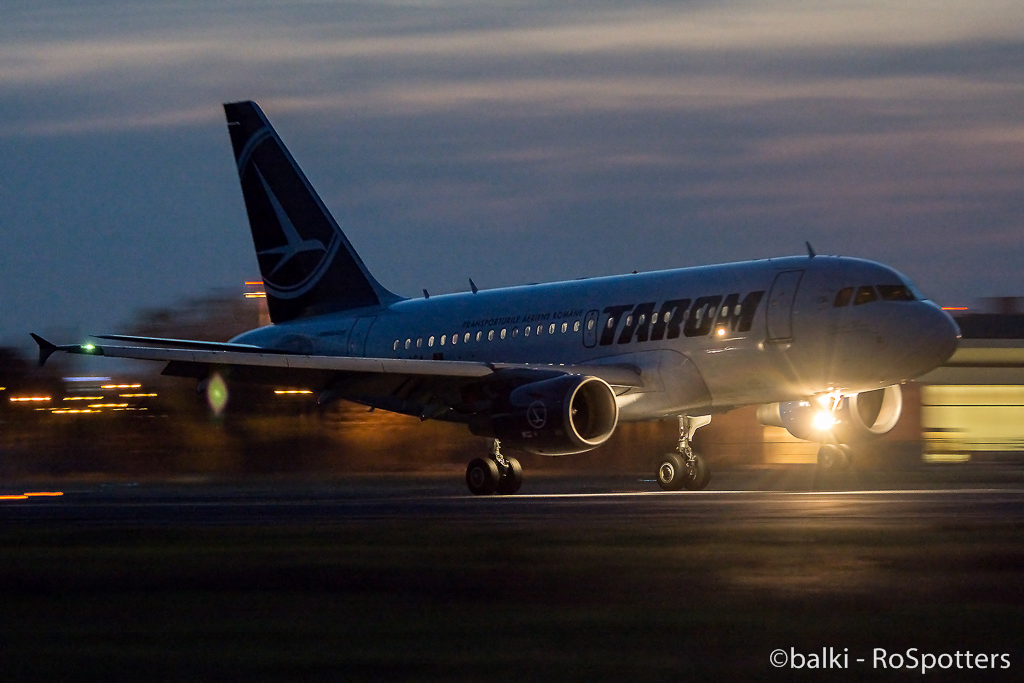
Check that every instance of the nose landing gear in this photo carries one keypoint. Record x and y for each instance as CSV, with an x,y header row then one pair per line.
x,y
494,474
684,468
833,457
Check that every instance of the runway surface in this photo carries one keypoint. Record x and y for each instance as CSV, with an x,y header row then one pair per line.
x,y
925,495
579,578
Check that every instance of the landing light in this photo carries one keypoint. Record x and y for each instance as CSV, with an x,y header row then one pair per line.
x,y
721,331
823,420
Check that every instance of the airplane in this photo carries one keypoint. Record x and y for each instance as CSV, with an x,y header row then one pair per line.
x,y
820,344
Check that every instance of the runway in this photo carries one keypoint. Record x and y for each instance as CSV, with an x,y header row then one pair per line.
x,y
552,499
579,578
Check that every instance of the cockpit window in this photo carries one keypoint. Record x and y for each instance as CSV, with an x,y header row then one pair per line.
x,y
843,297
895,293
865,295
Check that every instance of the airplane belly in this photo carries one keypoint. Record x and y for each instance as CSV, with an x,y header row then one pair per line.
x,y
672,385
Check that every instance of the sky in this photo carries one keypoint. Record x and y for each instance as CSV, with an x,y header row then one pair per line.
x,y
511,142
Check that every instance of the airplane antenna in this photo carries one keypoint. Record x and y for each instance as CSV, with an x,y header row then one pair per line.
x,y
473,285
426,294
810,250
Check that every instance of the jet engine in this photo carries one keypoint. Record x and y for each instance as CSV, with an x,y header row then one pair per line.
x,y
559,416
869,414
860,417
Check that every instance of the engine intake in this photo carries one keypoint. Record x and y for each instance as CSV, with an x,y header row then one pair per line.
x,y
870,414
559,416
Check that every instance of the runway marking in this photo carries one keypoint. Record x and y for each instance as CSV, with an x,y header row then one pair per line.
x,y
691,494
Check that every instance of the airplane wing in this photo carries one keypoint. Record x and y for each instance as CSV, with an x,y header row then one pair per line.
x,y
348,377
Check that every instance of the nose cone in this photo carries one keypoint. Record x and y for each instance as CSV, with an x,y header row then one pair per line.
x,y
934,340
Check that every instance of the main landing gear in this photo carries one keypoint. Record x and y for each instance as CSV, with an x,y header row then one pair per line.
x,y
684,468
494,474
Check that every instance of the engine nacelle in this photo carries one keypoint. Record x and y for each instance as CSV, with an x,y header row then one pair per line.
x,y
863,416
558,416
869,414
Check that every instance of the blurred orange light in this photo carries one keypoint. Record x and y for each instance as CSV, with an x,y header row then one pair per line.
x,y
50,494
292,391
255,295
955,308
121,386
13,497
22,399
254,282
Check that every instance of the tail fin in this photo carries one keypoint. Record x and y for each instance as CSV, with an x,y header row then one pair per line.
x,y
308,265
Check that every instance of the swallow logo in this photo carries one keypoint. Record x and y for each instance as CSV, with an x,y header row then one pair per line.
x,y
295,244
537,415
299,251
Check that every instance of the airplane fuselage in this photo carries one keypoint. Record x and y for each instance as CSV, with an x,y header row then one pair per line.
x,y
704,339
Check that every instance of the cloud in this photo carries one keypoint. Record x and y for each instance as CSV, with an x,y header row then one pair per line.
x,y
544,139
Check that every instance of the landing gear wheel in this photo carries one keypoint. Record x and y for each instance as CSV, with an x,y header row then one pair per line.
x,y
831,457
511,479
698,474
847,452
482,476
671,472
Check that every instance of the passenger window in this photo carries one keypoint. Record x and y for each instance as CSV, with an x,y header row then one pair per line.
x,y
526,331
668,316
540,329
590,324
408,343
565,327
551,328
895,293
395,348
479,335
444,337
865,295
490,335
503,333
629,321
455,339
430,342
611,322
515,332
576,326
843,297
654,318
465,340
419,343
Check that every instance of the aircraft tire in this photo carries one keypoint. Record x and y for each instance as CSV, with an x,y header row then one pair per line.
x,y
697,476
671,472
512,479
482,476
847,460
830,457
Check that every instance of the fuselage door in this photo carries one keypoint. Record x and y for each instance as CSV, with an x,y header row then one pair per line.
x,y
357,338
780,305
590,329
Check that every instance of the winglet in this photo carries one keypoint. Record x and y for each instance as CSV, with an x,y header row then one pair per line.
x,y
46,348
